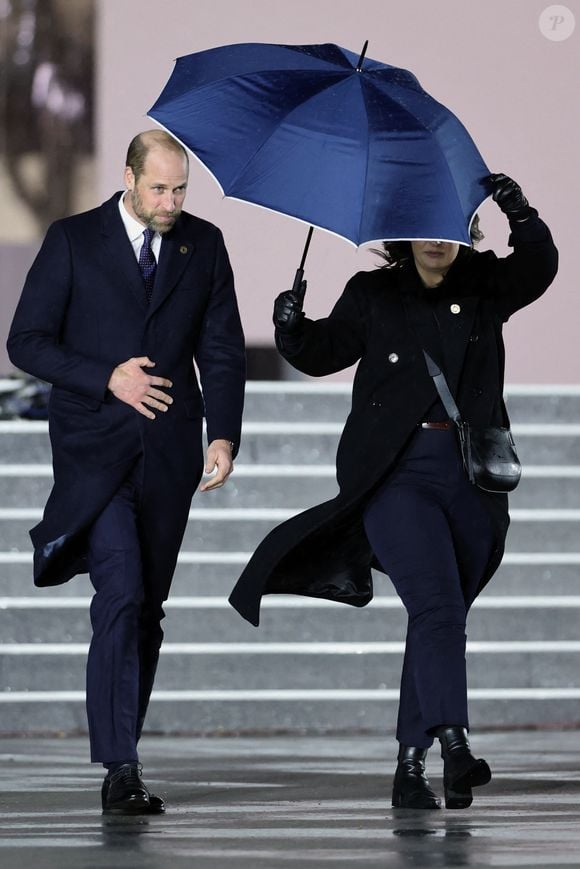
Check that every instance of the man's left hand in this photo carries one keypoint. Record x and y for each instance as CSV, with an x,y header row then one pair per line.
x,y
219,455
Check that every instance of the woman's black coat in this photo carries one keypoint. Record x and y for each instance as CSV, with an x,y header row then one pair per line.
x,y
384,319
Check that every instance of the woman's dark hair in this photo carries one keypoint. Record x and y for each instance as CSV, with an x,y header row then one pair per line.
x,y
397,253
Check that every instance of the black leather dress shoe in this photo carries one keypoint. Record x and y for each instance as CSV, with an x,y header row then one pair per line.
x,y
125,793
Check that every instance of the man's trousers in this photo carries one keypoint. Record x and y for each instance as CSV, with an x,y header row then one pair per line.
x,y
126,620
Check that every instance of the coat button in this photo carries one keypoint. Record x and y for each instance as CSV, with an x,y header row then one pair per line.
x,y
393,358
455,309
474,338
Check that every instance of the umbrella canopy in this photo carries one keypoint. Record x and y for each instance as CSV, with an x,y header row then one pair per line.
x,y
359,149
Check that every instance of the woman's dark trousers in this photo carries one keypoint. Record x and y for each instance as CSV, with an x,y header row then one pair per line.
x,y
432,535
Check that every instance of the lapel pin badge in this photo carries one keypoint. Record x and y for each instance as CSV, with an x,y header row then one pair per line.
x,y
183,248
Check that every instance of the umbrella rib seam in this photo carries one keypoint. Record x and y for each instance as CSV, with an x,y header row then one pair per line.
x,y
435,139
362,213
284,117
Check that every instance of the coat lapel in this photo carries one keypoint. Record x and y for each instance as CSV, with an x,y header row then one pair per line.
x,y
119,252
177,248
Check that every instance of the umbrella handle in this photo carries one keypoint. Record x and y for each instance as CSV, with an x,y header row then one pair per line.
x,y
299,285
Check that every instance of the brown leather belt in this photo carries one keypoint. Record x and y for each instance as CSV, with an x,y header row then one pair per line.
x,y
441,426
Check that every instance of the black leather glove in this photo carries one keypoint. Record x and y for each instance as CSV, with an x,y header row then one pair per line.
x,y
508,195
288,314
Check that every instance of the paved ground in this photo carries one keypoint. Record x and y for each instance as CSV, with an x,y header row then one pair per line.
x,y
288,803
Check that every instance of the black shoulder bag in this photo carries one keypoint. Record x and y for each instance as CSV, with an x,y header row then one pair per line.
x,y
489,453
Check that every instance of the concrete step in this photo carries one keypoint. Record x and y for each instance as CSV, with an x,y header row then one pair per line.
x,y
313,399
548,486
294,487
250,486
294,619
214,574
311,666
307,443
539,446
256,712
309,400
228,530
259,666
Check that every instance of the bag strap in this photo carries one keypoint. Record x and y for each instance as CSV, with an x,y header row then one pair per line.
x,y
443,389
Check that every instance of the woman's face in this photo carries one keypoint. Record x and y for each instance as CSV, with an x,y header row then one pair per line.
x,y
433,259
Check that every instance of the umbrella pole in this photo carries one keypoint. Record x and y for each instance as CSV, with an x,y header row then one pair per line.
x,y
297,286
362,57
299,277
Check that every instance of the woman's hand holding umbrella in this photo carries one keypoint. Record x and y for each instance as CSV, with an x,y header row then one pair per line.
x,y
288,313
510,198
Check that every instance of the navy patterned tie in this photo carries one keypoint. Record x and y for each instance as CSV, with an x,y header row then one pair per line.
x,y
148,263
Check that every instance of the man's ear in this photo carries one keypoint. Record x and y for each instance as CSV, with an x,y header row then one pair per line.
x,y
129,178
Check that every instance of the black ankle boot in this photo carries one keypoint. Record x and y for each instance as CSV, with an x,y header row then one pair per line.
x,y
411,788
461,770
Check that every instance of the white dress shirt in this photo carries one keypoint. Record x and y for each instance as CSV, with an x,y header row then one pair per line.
x,y
135,231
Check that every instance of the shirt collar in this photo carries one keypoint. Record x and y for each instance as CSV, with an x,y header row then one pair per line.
x,y
133,228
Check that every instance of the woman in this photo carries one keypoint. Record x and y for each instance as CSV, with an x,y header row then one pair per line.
x,y
406,505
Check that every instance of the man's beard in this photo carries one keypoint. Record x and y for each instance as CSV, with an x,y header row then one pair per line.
x,y
149,218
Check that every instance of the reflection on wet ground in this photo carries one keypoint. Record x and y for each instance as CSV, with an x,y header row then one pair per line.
x,y
277,802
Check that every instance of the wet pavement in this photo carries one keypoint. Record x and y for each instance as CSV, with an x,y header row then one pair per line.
x,y
285,802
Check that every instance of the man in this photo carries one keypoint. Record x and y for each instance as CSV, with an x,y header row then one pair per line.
x,y
116,307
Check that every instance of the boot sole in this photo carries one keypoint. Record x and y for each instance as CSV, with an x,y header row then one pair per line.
x,y
133,807
400,802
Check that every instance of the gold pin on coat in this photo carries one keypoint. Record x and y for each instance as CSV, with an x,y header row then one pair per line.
x,y
183,248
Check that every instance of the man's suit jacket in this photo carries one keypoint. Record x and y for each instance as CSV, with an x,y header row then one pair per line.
x,y
82,312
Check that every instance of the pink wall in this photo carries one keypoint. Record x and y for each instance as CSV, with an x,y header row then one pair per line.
x,y
514,89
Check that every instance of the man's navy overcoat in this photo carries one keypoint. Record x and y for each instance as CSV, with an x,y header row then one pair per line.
x,y
82,312
384,320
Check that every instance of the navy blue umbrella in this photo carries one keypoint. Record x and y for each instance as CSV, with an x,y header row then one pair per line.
x,y
352,146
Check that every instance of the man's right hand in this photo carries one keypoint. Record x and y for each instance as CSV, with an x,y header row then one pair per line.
x,y
288,313
129,383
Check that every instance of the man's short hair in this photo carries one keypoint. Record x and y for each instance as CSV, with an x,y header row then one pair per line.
x,y
145,142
